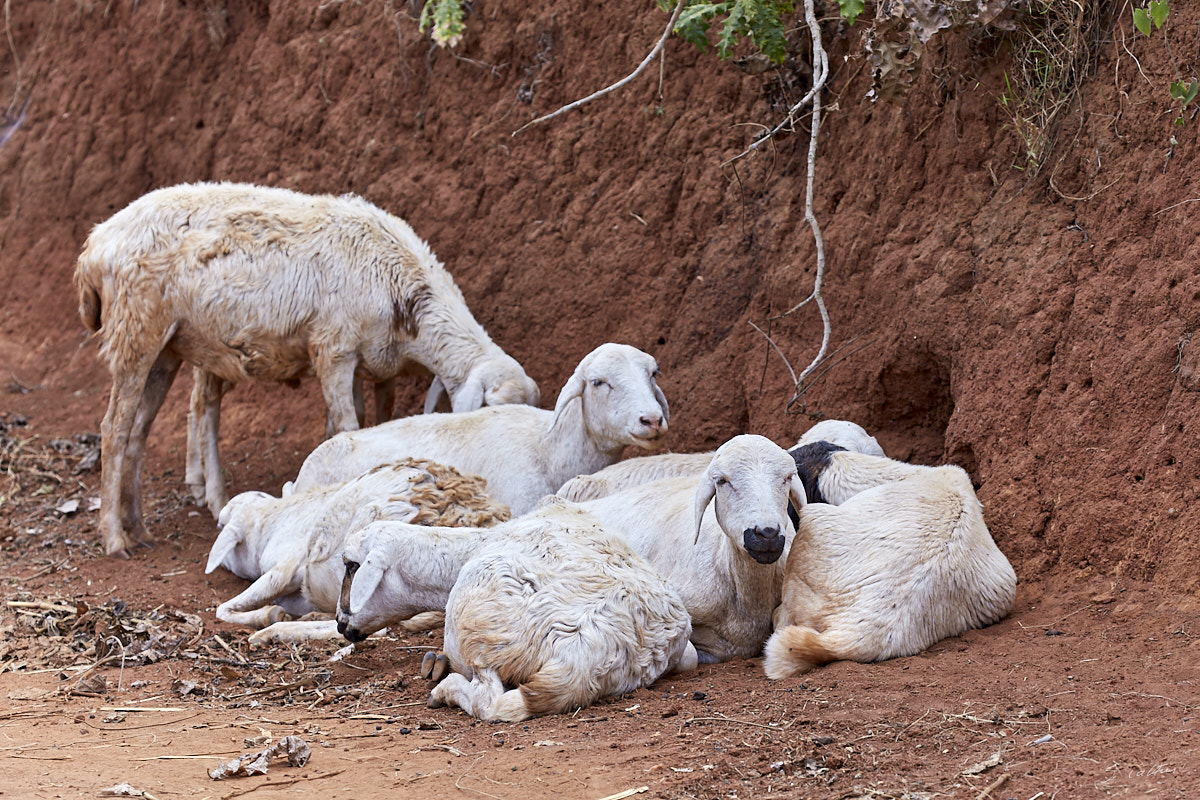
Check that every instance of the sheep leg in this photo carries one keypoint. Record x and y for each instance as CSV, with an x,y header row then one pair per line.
x,y
336,373
162,375
116,456
385,400
253,606
204,476
360,408
483,697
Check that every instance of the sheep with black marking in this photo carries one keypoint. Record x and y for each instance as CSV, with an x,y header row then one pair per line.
x,y
610,401
544,614
246,281
644,469
291,546
719,539
902,561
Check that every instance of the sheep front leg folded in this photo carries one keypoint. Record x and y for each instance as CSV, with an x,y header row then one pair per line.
x,y
251,606
483,697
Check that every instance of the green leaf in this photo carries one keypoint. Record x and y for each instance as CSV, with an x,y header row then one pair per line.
x,y
850,9
1184,93
446,19
694,21
1141,20
1159,12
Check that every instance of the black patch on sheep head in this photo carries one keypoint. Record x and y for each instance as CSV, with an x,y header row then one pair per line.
x,y
812,460
764,545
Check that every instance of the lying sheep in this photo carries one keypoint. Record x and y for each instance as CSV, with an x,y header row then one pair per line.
x,y
291,547
544,614
636,471
245,282
903,561
524,453
726,561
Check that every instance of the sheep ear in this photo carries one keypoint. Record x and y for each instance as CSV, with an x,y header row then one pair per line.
x,y
796,494
227,539
436,390
572,389
704,495
366,581
470,394
662,403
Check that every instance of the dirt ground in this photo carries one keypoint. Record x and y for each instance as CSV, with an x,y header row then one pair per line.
x,y
1036,330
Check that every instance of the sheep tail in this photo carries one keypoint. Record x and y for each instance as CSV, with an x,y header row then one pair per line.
x,y
797,649
89,301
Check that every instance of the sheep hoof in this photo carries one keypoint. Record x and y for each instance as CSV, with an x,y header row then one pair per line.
x,y
197,490
434,666
434,702
275,614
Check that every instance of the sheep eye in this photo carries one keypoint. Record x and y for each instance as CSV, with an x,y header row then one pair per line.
x,y
721,481
598,382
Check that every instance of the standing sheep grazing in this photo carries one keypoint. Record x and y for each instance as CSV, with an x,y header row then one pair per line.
x,y
720,540
636,471
897,566
245,282
524,453
291,546
547,614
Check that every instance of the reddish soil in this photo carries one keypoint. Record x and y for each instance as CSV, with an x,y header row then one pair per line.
x,y
1036,330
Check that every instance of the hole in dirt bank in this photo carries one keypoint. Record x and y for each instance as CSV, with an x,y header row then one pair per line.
x,y
917,407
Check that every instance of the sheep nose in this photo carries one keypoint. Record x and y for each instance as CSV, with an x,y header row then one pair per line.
x,y
654,423
764,545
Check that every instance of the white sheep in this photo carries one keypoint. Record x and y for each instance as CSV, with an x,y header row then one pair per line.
x,y
524,453
245,282
720,540
898,565
636,471
544,614
291,547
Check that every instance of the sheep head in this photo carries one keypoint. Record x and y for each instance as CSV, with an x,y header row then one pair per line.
x,y
751,479
239,521
622,402
495,381
844,434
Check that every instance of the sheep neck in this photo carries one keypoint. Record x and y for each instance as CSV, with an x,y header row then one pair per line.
x,y
449,340
429,564
570,449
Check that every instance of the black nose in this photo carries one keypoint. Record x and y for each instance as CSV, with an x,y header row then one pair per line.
x,y
764,545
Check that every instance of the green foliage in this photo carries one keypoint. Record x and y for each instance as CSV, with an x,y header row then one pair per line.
x,y
850,9
761,21
446,19
1152,18
1184,94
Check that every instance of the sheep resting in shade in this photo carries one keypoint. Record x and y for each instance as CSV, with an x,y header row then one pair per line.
x,y
611,401
291,546
904,561
546,614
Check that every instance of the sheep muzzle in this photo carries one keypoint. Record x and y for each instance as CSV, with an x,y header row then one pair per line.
x,y
350,634
764,545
